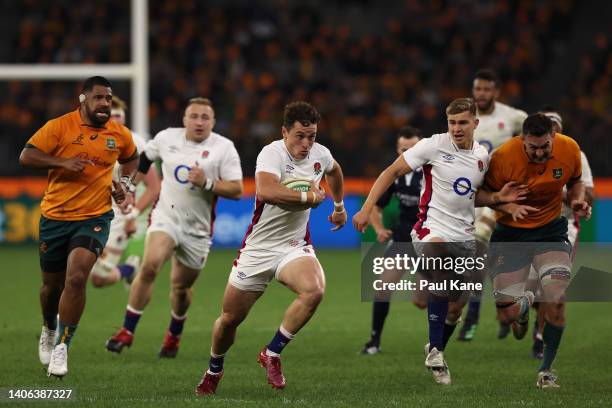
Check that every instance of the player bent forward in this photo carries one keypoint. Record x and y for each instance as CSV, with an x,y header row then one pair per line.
x,y
277,243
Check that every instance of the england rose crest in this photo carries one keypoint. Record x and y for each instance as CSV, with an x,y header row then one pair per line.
x,y
480,166
317,168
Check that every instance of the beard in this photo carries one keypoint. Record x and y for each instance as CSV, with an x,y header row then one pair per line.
x,y
94,118
484,105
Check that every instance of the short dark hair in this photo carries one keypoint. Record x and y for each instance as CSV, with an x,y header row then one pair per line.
x,y
93,81
409,132
461,105
487,74
537,125
302,112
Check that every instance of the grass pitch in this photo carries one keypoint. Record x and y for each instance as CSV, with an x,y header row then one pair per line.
x,y
322,365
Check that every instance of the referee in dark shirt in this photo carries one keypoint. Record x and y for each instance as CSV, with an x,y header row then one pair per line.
x,y
407,190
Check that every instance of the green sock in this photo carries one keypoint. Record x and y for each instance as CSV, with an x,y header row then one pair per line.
x,y
552,337
65,333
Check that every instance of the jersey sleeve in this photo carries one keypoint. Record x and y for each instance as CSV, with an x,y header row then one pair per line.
x,y
495,177
587,175
139,142
517,122
47,138
421,153
269,161
152,149
329,165
230,165
129,148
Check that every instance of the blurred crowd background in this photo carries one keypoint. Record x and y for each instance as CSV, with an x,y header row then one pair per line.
x,y
369,67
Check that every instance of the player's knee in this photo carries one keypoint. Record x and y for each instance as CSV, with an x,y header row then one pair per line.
x,y
313,296
420,303
506,313
148,272
77,281
231,319
454,313
98,281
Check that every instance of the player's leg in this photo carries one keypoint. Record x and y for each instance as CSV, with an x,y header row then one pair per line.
x,y
182,278
159,247
87,240
472,316
50,293
54,239
437,308
380,310
533,285
236,306
554,270
420,296
105,271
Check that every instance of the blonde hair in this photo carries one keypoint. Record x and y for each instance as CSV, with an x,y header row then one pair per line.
x,y
118,103
199,101
461,105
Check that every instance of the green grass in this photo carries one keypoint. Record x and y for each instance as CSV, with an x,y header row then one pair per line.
x,y
322,365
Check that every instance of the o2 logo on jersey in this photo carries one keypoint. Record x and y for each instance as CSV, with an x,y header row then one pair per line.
x,y
180,173
463,186
487,145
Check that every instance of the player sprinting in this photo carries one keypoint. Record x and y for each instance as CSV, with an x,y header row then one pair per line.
x,y
498,122
453,165
277,243
573,228
198,165
407,190
107,271
546,162
79,149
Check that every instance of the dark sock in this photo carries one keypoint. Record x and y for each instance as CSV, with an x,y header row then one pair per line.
x,y
215,364
473,312
279,341
131,320
50,320
125,270
66,332
437,309
552,337
380,310
449,329
176,325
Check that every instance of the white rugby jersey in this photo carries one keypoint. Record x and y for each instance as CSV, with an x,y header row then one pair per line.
x,y
275,229
500,125
586,178
140,147
189,206
451,177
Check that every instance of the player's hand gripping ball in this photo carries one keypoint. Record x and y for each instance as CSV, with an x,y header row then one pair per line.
x,y
302,185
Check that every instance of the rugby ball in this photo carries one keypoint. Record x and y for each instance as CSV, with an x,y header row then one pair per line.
x,y
297,185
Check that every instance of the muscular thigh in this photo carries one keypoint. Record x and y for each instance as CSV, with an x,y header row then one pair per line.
x,y
159,247
181,275
303,274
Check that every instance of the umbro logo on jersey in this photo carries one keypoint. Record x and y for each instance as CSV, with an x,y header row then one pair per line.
x,y
289,168
448,158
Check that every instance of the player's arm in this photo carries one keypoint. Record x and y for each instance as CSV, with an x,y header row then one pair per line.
x,y
397,169
33,157
271,191
153,187
376,220
510,192
335,180
228,188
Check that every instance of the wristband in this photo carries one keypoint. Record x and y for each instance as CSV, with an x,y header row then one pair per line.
x,y
209,185
303,197
339,203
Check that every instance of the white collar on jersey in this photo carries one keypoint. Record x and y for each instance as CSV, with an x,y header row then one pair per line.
x,y
474,144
